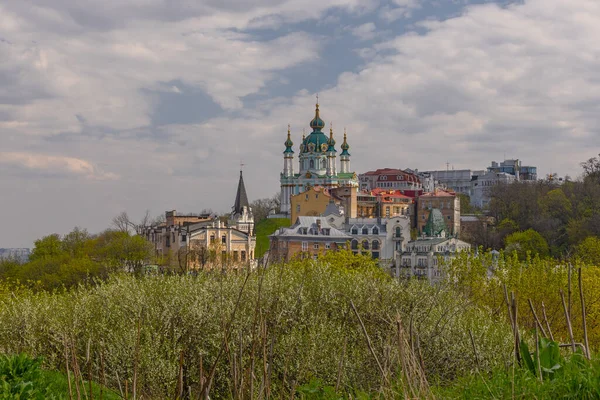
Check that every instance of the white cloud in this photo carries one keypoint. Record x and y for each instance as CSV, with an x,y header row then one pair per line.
x,y
366,31
400,9
54,165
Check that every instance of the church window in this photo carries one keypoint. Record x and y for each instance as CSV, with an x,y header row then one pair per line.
x,y
312,163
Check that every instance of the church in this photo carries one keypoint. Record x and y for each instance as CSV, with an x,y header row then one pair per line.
x,y
317,157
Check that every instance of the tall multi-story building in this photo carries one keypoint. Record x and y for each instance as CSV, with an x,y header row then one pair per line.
x,y
515,168
317,163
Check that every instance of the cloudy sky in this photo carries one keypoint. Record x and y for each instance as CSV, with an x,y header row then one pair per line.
x,y
117,105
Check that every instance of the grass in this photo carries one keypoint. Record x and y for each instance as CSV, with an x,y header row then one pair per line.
x,y
265,228
22,377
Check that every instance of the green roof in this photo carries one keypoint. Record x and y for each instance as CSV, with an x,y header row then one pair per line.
x,y
435,224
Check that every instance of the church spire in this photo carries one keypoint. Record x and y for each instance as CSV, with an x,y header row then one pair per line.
x,y
241,198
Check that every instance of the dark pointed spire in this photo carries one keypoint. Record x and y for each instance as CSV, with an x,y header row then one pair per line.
x,y
241,198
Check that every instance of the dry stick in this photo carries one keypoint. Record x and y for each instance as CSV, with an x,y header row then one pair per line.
x,y
126,389
75,369
569,302
89,362
547,322
68,370
119,383
537,321
211,375
403,362
537,355
510,315
136,359
384,376
562,296
585,335
341,365
516,328
102,373
179,389
474,350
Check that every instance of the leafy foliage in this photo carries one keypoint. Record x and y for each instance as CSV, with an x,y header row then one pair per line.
x,y
264,228
527,243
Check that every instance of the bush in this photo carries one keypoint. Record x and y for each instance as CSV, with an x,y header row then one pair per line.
x,y
293,323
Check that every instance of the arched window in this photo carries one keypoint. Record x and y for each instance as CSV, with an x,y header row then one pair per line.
x,y
365,244
375,245
398,231
354,244
375,231
323,164
365,231
312,163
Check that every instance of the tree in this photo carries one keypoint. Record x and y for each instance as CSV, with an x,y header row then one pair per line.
x,y
120,250
262,207
47,247
527,242
589,251
123,223
591,167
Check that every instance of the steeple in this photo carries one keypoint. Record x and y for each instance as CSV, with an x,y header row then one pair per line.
x,y
345,146
241,198
288,143
331,141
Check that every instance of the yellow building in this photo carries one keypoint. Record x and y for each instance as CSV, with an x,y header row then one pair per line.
x,y
310,203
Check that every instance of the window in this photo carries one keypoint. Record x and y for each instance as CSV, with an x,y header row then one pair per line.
x,y
327,245
224,239
306,197
304,246
375,255
315,246
323,164
312,163
365,244
375,245
365,231
375,231
212,238
354,244
183,238
398,232
243,255
355,231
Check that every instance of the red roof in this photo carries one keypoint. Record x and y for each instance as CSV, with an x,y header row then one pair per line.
x,y
439,193
393,175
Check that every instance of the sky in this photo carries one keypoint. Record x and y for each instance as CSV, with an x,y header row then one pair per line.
x,y
135,105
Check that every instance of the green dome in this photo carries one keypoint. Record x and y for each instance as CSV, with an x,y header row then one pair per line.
x,y
317,123
345,146
288,143
435,224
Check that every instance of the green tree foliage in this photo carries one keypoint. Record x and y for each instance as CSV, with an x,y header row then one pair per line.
x,y
589,251
565,215
263,229
78,257
527,243
47,247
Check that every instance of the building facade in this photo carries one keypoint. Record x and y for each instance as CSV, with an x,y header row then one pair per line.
x,y
192,241
448,205
306,238
389,178
317,161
